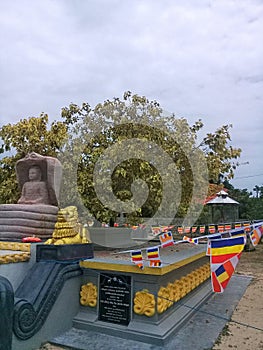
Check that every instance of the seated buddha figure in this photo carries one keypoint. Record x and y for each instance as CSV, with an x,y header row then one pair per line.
x,y
34,191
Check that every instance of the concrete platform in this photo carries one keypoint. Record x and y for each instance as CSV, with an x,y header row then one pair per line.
x,y
199,332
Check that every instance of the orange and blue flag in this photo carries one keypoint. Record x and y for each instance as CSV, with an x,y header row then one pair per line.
x,y
190,240
224,249
211,228
194,228
180,230
166,239
155,263
221,274
228,227
237,232
202,229
153,253
221,228
256,234
136,258
136,255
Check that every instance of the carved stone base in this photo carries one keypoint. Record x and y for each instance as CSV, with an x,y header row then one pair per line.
x,y
20,220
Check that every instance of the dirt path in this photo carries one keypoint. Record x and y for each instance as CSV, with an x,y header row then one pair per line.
x,y
249,310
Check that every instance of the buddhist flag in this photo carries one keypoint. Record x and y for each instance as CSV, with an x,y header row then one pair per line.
x,y
156,230
154,257
190,240
166,239
224,249
238,232
228,227
221,274
155,263
180,230
187,229
202,229
221,228
211,229
153,253
136,258
194,228
208,247
167,228
237,225
256,234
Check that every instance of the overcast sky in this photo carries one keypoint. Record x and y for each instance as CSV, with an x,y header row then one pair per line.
x,y
199,59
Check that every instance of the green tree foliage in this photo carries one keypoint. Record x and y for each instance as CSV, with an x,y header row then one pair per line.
x,y
250,207
28,135
220,155
85,134
92,131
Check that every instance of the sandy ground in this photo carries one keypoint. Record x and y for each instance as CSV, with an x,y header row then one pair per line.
x,y
245,330
249,310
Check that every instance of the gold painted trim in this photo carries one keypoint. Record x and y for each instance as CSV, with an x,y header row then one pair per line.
x,y
175,291
144,303
24,247
91,264
14,258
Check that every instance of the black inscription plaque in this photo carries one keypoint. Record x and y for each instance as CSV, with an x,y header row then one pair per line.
x,y
115,299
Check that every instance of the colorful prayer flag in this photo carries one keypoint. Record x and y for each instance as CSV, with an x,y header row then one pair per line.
x,y
221,228
247,226
221,274
208,247
202,229
180,230
190,240
237,232
166,239
167,228
156,230
237,225
211,229
152,253
255,235
225,248
155,263
194,228
136,258
187,229
228,227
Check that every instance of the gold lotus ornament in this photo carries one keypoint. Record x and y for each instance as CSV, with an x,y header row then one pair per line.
x,y
88,295
144,303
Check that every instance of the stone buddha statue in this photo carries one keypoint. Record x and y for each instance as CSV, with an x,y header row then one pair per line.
x,y
35,213
35,190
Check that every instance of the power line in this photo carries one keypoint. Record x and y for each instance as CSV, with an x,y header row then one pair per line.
x,y
246,177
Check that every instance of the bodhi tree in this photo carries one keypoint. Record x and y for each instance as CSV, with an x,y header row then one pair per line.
x,y
132,157
125,156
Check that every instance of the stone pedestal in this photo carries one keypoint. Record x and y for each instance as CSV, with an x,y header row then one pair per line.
x,y
148,305
21,220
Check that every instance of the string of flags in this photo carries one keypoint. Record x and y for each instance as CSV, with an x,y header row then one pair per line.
x,y
201,229
224,247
